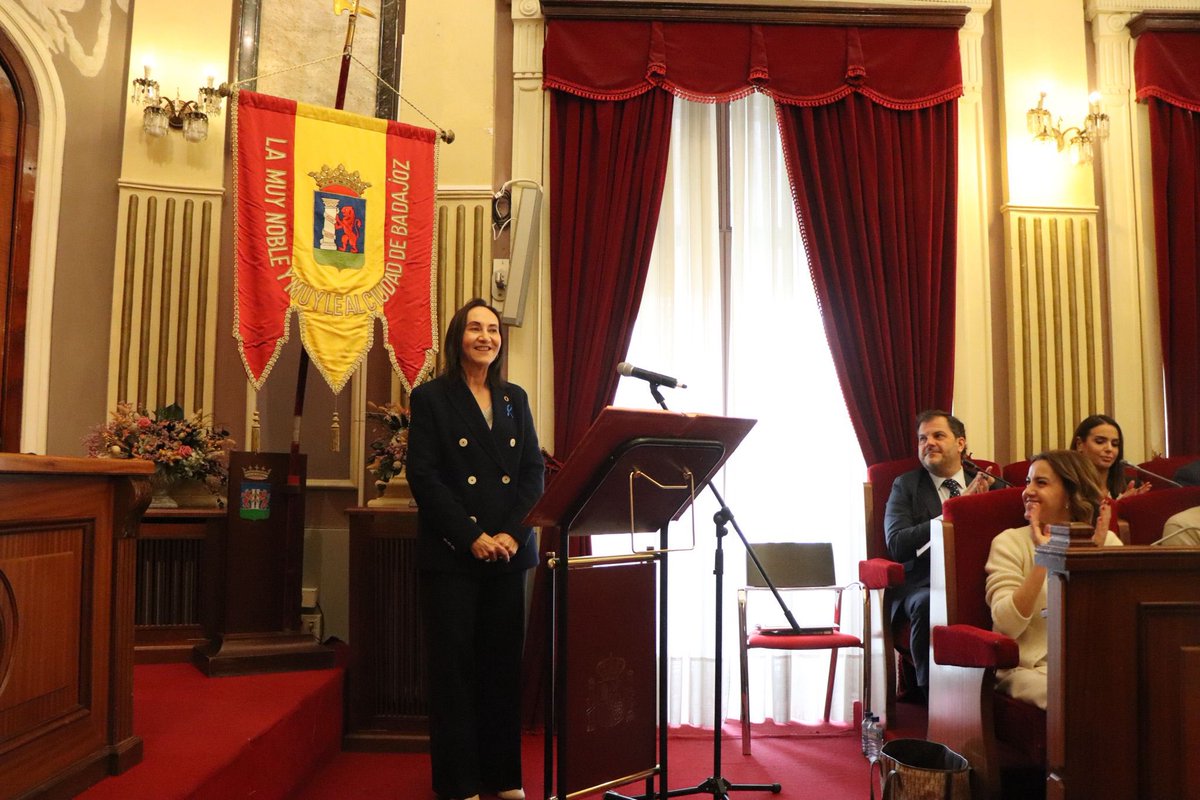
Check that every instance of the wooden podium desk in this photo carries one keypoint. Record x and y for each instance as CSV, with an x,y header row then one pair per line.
x,y
1124,670
68,530
386,685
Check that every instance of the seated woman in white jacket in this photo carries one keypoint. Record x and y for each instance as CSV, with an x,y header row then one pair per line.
x,y
1062,487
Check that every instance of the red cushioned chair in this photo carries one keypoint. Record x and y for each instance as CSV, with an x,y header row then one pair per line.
x,y
1016,472
794,567
1166,467
1143,516
875,570
993,731
879,572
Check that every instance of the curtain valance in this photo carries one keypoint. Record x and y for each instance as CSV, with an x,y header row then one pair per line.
x,y
1166,65
801,65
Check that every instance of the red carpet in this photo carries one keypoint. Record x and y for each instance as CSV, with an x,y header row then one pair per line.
x,y
808,764
278,736
257,736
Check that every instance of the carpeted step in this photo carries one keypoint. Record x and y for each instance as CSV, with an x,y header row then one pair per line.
x,y
259,736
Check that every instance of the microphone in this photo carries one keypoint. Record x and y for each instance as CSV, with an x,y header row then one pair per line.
x,y
1147,472
630,371
1192,529
969,463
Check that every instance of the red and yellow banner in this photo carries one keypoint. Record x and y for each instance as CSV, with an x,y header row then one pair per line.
x,y
335,220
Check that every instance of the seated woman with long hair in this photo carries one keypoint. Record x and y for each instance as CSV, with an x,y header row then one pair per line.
x,y
1098,438
1062,487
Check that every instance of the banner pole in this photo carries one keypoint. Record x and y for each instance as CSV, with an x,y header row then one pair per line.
x,y
302,369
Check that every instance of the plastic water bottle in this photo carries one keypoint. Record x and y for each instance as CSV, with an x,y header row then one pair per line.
x,y
866,723
874,739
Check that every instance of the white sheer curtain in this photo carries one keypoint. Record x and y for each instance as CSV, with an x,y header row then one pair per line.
x,y
798,475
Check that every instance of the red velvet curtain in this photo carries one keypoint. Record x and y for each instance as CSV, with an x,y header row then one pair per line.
x,y
610,125
608,165
876,194
882,241
1167,68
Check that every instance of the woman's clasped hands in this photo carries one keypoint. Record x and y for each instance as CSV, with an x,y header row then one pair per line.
x,y
500,547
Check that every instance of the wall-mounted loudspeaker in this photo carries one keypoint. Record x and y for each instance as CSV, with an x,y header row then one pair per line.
x,y
510,282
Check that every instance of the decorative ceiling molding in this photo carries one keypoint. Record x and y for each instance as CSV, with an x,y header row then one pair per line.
x,y
1175,22
1092,8
929,14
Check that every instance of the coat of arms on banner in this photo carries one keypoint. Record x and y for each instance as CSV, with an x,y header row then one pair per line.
x,y
339,218
255,496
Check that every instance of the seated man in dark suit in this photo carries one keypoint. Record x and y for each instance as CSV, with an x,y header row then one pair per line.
x,y
917,498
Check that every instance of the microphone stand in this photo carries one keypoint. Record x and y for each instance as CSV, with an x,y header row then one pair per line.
x,y
716,785
997,478
1148,473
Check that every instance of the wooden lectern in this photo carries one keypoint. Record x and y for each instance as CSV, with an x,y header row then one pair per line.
x,y
633,472
258,567
68,547
1124,669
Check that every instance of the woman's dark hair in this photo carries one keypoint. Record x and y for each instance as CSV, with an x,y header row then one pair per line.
x,y
452,345
1115,479
1080,480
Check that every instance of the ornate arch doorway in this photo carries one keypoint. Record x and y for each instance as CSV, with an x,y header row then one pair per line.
x,y
18,167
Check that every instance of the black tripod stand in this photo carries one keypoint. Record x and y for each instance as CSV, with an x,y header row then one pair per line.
x,y
716,785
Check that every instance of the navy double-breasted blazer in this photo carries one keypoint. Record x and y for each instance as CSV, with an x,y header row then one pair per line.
x,y
468,479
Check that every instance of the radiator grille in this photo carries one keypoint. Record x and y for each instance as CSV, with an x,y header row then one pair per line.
x,y
169,577
400,674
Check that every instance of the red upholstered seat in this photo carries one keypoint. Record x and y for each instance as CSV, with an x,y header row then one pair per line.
x,y
992,730
1016,472
1145,514
895,639
793,567
1166,467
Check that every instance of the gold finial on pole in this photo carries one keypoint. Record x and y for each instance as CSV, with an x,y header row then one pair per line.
x,y
353,6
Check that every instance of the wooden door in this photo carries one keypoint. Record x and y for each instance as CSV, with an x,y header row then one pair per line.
x,y
18,166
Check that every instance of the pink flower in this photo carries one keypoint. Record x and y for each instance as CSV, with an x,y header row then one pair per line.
x,y
144,422
185,451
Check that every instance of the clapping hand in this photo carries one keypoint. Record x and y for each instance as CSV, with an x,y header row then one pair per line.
x,y
1103,520
1134,489
982,482
1038,532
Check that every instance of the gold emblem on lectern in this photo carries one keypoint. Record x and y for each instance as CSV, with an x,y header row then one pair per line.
x,y
610,694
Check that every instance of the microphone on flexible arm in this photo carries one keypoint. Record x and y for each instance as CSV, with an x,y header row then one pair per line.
x,y
630,371
967,462
1150,474
1192,529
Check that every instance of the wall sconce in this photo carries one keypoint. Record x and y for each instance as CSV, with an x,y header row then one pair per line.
x,y
162,113
1078,139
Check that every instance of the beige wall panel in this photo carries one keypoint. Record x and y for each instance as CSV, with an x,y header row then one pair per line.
x,y
162,346
464,249
1056,331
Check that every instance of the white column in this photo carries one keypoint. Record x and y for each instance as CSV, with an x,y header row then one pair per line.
x,y
531,357
1129,241
973,370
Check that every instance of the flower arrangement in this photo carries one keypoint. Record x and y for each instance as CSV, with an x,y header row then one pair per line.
x,y
180,447
387,453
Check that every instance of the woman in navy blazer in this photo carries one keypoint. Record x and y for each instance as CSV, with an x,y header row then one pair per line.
x,y
476,470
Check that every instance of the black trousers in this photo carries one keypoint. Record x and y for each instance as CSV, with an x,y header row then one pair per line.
x,y
912,603
475,634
